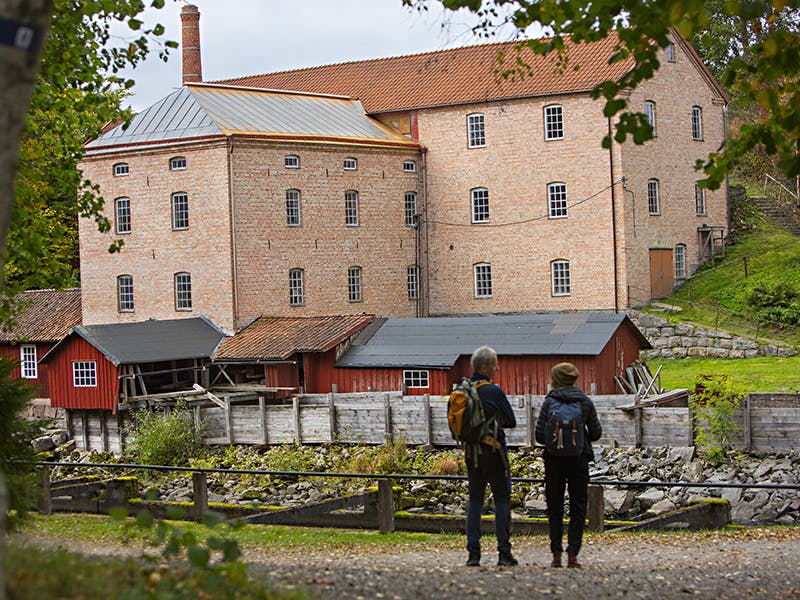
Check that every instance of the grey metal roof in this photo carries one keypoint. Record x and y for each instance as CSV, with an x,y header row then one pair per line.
x,y
202,111
153,341
439,341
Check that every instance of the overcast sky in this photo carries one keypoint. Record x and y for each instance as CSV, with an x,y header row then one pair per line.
x,y
247,37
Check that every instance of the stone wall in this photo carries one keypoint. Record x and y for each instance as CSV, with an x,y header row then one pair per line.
x,y
681,340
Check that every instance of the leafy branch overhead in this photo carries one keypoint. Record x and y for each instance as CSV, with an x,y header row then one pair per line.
x,y
752,46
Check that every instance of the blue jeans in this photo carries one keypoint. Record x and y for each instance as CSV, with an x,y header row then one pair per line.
x,y
561,473
491,469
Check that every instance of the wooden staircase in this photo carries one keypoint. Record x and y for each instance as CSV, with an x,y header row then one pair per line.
x,y
780,212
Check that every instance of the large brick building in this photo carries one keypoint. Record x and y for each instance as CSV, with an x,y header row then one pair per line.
x,y
419,185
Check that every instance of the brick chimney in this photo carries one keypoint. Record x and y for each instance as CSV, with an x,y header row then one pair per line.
x,y
190,43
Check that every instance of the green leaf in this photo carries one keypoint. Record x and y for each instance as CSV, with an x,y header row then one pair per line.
x,y
198,556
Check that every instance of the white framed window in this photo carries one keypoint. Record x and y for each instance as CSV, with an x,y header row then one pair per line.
x,y
177,163
351,208
180,210
121,169
697,123
122,215
296,293
680,261
557,200
125,293
411,209
291,161
699,200
653,200
476,131
412,277
354,284
670,52
409,166
483,280
293,208
559,270
27,361
350,164
183,291
650,114
416,379
553,122
84,373
480,205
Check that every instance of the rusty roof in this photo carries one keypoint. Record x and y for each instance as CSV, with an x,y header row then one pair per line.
x,y
45,315
448,77
278,338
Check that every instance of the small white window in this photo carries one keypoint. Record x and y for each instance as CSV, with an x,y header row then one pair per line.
x,y
416,379
122,214
680,261
84,373
293,208
560,278
350,164
476,131
351,208
480,205
557,200
27,361
411,209
409,166
292,161
180,210
296,293
653,201
699,200
670,52
177,163
183,291
354,284
650,114
413,282
697,123
121,169
483,280
125,293
553,122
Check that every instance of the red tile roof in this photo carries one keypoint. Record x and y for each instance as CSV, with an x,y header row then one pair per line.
x,y
45,315
448,77
278,338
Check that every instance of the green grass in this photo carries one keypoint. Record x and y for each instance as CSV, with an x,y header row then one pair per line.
x,y
761,374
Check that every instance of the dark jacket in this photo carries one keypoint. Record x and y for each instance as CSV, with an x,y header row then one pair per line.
x,y
588,414
495,402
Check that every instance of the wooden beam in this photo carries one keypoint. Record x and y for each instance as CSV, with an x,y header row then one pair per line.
x,y
748,427
385,506
387,419
85,432
228,420
262,419
428,416
296,419
596,509
530,417
200,495
332,416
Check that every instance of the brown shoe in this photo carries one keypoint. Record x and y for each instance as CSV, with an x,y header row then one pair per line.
x,y
572,560
556,564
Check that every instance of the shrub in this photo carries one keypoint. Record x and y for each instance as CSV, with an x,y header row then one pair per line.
x,y
713,403
163,439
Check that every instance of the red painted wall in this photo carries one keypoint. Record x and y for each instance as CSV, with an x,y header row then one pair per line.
x,y
64,394
12,352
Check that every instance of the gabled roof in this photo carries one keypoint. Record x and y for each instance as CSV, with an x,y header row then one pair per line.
x,y
45,315
149,341
439,342
278,338
449,77
205,111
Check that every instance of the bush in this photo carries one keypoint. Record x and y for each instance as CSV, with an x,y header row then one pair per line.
x,y
776,302
163,439
714,400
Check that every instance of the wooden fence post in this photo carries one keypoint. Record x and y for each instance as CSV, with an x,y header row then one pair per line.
x,y
200,489
385,506
332,416
296,418
262,415
228,420
531,424
426,407
387,419
691,425
85,428
45,502
596,509
748,426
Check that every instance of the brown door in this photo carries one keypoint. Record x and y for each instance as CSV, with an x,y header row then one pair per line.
x,y
661,277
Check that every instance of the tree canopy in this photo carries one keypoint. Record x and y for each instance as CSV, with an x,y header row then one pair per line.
x,y
752,46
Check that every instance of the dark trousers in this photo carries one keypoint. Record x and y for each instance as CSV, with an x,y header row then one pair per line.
x,y
560,473
491,469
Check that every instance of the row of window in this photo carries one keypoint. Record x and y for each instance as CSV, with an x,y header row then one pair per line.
x,y
179,207
182,286
351,219
654,198
297,296
176,163
696,119
553,124
559,279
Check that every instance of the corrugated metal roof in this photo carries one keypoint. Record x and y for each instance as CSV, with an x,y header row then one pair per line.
x,y
447,77
202,111
438,342
152,341
278,338
45,315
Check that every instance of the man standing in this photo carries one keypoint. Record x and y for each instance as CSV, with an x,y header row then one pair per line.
x,y
492,464
567,453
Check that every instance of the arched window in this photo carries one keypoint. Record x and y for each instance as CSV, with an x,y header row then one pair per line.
x,y
411,209
553,122
650,113
122,215
177,163
557,200
653,197
121,169
483,280
354,284
697,123
125,293
680,261
293,208
560,277
351,208
476,131
296,292
479,201
291,161
183,291
180,210
350,164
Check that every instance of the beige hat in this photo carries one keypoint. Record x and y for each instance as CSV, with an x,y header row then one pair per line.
x,y
564,374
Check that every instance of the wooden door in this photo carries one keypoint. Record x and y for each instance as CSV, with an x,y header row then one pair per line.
x,y
661,275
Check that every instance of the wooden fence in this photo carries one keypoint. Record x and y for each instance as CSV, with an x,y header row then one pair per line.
x,y
374,417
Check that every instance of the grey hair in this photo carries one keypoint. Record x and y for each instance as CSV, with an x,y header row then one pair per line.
x,y
482,357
